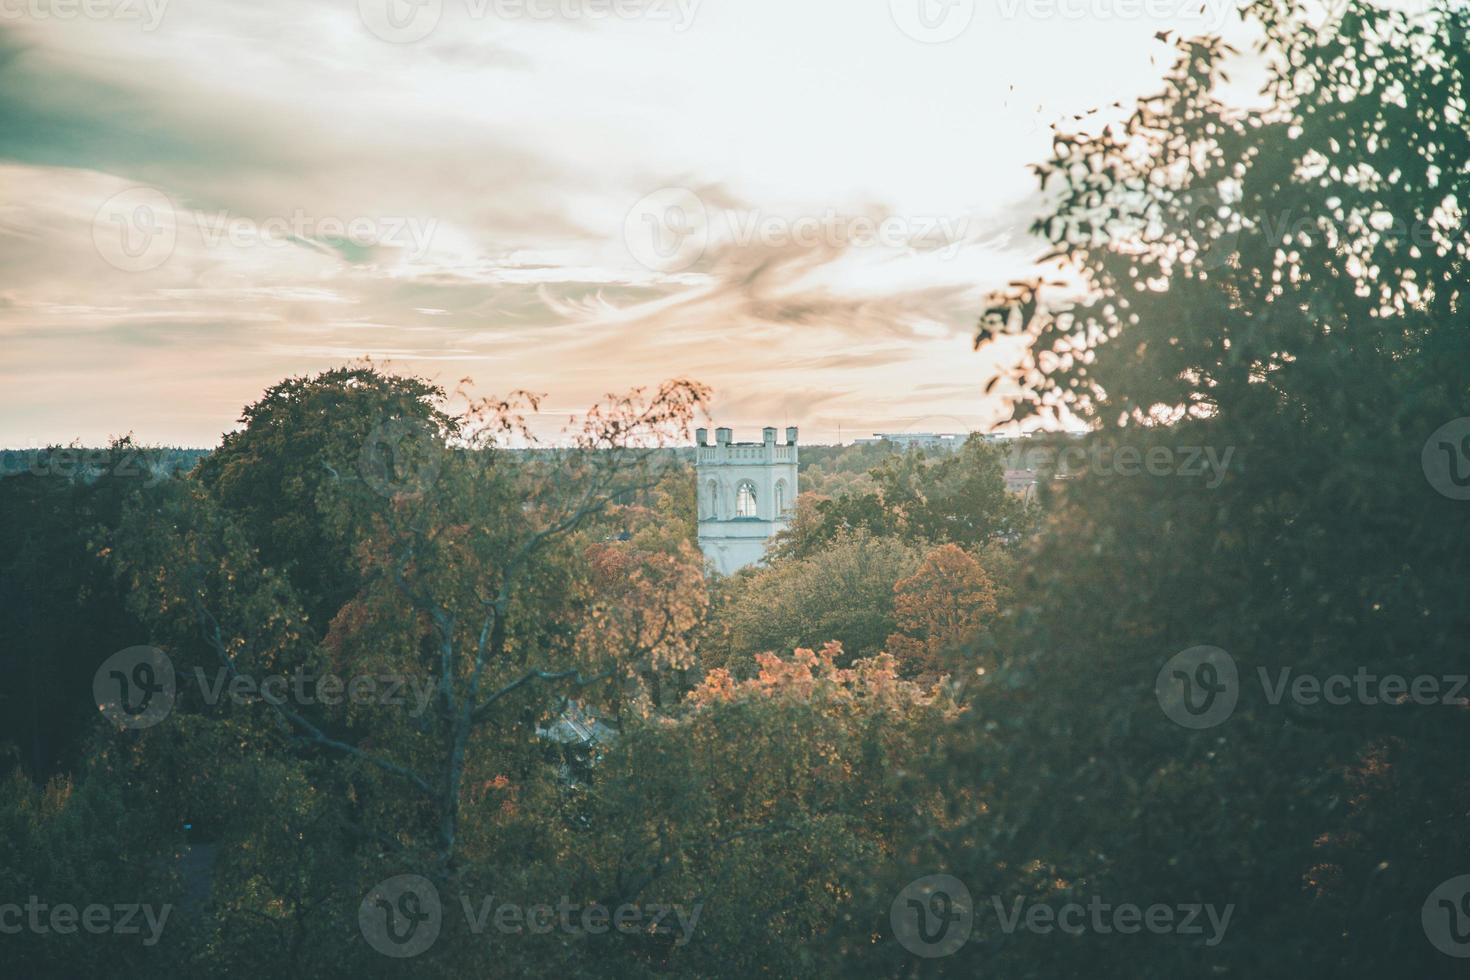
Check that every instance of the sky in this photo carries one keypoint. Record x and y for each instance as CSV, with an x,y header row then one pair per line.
x,y
800,203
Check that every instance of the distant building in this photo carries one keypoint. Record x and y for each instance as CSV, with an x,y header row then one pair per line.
x,y
948,441
1022,483
746,494
1021,469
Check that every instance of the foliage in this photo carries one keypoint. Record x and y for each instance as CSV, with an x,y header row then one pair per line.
x,y
767,800
957,497
61,614
832,471
941,609
1325,356
85,843
792,797
843,593
281,476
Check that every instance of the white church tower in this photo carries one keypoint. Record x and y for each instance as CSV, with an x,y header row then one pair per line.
x,y
747,493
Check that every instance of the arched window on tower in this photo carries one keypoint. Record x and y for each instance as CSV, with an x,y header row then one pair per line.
x,y
780,497
745,500
712,500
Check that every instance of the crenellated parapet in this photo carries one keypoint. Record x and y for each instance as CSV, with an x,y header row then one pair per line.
x,y
746,494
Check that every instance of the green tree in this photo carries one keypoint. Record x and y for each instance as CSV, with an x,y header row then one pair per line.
x,y
1324,352
61,612
476,589
766,802
283,474
957,498
842,593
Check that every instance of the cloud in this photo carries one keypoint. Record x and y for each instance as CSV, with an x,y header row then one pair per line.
x,y
487,172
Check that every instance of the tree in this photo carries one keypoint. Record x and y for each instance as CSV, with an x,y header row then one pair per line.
x,y
766,801
474,589
283,474
958,498
61,612
1325,352
643,607
939,610
843,593
87,843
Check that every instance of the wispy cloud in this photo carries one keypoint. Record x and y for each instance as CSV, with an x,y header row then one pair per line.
x,y
249,190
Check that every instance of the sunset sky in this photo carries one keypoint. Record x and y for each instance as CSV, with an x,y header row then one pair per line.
x,y
798,202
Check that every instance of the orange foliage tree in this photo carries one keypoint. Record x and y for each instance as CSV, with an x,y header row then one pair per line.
x,y
645,611
948,602
770,800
